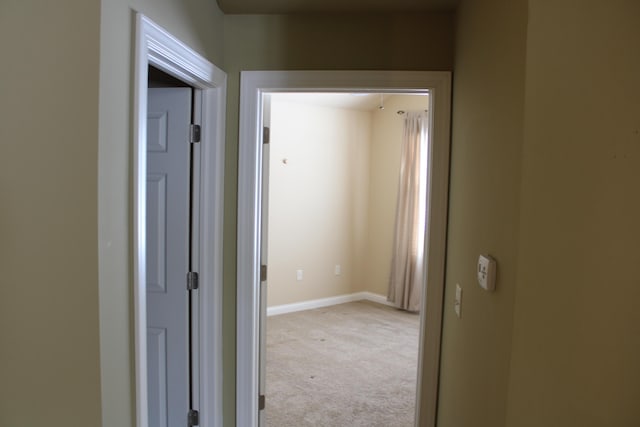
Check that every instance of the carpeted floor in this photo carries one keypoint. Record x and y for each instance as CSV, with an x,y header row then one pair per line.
x,y
348,365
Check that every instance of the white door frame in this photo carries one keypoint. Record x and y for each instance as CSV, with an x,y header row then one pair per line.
x,y
155,46
252,87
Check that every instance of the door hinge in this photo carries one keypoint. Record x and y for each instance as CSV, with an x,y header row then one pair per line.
x,y
192,280
266,135
193,418
262,402
194,133
263,273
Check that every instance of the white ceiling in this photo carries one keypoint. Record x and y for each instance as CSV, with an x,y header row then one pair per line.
x,y
332,6
360,101
364,102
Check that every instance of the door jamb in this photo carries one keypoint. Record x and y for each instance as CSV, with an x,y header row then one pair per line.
x,y
253,85
156,46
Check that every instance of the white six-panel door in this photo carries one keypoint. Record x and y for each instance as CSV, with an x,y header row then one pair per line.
x,y
168,183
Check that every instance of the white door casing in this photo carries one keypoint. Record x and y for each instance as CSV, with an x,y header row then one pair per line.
x,y
155,46
264,256
254,85
168,240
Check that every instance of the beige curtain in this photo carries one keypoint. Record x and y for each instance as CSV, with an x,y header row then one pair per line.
x,y
407,266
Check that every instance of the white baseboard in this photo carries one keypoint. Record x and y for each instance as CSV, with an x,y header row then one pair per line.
x,y
325,302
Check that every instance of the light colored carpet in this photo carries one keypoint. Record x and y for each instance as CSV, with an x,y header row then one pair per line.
x,y
347,365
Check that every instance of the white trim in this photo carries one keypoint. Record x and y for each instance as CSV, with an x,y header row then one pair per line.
x,y
380,299
326,302
253,85
155,46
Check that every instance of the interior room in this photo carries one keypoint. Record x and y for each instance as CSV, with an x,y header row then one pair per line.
x,y
334,173
544,173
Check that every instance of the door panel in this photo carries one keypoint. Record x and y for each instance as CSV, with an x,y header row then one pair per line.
x,y
157,377
156,233
168,173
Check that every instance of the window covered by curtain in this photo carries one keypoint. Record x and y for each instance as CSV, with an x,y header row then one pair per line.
x,y
407,266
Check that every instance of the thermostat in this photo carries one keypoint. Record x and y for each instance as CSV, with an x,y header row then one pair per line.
x,y
487,272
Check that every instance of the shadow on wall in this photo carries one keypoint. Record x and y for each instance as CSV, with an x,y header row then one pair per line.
x,y
420,41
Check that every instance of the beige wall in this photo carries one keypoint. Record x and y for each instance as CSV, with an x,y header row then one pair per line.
x,y
317,200
576,342
484,201
386,149
49,347
561,347
199,24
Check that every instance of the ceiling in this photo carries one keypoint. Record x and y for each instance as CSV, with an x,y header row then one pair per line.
x,y
363,102
333,6
351,101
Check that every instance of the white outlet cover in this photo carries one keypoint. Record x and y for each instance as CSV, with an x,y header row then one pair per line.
x,y
457,303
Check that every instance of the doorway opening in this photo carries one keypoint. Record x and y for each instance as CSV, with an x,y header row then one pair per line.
x,y
172,229
252,280
169,73
335,168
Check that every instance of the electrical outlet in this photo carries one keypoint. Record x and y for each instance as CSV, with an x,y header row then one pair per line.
x,y
337,270
299,275
457,303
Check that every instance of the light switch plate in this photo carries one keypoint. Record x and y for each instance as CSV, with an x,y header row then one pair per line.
x,y
487,272
457,303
